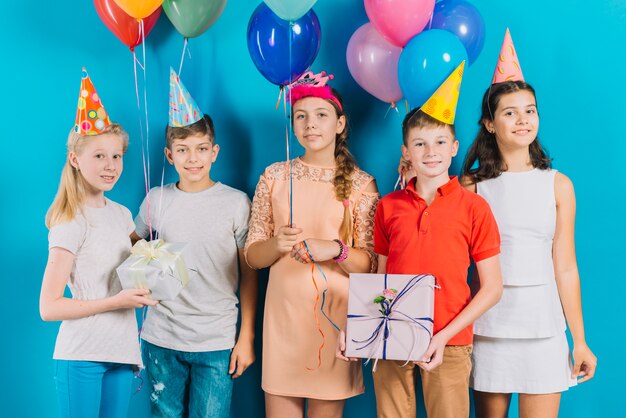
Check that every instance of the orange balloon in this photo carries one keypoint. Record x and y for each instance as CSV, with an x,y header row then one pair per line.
x,y
139,9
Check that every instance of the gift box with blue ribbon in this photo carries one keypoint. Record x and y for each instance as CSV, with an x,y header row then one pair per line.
x,y
155,265
390,316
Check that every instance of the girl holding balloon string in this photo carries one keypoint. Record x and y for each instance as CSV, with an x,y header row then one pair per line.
x,y
333,211
520,344
97,347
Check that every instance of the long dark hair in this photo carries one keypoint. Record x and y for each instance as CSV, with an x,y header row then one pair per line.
x,y
484,149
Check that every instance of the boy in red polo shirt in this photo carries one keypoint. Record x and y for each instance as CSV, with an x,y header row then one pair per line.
x,y
434,226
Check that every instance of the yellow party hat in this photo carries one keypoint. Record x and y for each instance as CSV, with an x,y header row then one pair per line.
x,y
442,104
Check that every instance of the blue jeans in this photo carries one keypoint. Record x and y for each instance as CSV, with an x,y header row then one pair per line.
x,y
186,384
91,389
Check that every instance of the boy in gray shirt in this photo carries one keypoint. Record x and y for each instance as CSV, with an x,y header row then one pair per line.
x,y
189,344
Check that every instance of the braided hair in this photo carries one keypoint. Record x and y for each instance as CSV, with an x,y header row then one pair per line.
x,y
346,164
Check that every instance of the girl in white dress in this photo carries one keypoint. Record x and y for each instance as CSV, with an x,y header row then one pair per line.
x,y
520,344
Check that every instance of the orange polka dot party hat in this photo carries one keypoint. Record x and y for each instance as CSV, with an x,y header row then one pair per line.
x,y
507,67
442,104
91,117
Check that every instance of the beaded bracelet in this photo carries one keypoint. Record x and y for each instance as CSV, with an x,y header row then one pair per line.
x,y
343,251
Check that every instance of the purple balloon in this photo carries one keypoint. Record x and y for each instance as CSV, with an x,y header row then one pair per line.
x,y
373,63
464,20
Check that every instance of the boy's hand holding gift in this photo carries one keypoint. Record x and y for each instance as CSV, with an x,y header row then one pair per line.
x,y
433,357
157,266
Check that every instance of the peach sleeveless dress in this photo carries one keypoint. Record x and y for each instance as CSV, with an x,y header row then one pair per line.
x,y
290,335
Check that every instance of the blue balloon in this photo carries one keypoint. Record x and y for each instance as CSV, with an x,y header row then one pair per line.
x,y
426,61
268,44
462,19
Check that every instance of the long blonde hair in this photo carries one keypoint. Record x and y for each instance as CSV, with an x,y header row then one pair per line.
x,y
70,197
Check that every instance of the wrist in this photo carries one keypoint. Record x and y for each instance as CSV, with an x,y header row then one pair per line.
x,y
112,303
443,336
246,336
343,251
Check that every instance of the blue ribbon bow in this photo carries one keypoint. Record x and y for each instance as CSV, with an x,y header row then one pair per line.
x,y
386,312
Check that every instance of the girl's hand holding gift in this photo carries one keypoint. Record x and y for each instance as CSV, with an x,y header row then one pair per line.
x,y
585,363
133,298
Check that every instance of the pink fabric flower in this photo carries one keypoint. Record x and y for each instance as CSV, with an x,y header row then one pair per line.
x,y
390,293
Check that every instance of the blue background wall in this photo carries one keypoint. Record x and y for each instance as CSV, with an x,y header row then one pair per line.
x,y
571,51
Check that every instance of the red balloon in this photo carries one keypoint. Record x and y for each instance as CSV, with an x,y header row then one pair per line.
x,y
124,26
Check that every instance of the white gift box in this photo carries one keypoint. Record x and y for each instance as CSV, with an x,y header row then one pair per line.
x,y
155,265
387,325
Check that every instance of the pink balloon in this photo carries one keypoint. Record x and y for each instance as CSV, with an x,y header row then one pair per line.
x,y
373,63
399,20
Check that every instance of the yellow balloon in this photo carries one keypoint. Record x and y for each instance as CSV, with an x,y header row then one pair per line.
x,y
139,9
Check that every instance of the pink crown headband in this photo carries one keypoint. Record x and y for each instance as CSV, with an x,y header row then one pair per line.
x,y
312,85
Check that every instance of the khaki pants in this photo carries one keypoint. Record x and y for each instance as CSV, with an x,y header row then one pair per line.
x,y
446,389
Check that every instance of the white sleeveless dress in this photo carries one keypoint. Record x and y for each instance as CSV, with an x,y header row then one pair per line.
x,y
520,344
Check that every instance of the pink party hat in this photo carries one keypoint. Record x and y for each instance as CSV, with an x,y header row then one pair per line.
x,y
312,85
183,109
507,67
91,117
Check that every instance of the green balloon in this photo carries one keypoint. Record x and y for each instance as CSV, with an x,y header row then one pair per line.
x,y
193,17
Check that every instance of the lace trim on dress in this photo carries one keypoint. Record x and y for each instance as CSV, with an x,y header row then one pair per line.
x,y
261,226
364,226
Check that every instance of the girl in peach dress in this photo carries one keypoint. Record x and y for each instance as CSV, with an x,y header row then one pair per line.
x,y
333,218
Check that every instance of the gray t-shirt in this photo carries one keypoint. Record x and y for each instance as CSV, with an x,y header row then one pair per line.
x,y
214,225
99,240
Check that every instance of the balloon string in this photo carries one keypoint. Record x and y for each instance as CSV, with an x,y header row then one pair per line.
x,y
289,167
289,130
161,212
138,371
145,102
317,321
182,58
393,106
143,144
280,94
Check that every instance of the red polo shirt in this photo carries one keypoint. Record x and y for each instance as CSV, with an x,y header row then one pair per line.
x,y
438,239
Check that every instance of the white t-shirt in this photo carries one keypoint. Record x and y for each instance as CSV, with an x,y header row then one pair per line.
x,y
99,240
214,225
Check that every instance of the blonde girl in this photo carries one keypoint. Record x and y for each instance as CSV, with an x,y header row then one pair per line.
x,y
97,345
